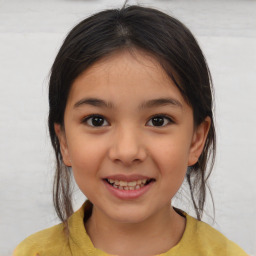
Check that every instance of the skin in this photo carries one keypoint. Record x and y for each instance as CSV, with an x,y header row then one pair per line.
x,y
128,142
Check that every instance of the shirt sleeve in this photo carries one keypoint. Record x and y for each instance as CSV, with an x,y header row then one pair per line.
x,y
27,248
234,250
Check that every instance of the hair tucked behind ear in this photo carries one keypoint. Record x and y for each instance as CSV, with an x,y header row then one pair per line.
x,y
152,31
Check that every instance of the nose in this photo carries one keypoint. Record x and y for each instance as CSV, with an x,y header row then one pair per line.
x,y
127,147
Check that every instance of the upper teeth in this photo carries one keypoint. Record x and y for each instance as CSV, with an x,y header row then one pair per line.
x,y
127,183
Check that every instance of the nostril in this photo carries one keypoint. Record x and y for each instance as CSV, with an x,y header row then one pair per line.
x,y
127,150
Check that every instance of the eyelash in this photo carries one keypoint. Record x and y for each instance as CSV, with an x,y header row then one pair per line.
x,y
164,116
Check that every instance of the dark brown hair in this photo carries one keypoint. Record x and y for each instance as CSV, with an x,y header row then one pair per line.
x,y
162,36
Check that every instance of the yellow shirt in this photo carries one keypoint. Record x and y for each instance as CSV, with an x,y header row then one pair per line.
x,y
199,239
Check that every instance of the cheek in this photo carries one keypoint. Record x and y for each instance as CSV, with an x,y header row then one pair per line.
x,y
171,159
86,159
171,153
86,155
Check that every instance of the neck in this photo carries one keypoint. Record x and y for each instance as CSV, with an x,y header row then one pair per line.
x,y
155,235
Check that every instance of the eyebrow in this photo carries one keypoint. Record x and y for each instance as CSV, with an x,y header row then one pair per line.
x,y
146,104
160,102
94,102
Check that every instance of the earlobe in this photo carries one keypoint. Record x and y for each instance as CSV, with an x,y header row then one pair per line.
x,y
198,141
63,144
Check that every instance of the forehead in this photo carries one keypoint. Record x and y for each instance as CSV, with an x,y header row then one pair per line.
x,y
124,72
127,62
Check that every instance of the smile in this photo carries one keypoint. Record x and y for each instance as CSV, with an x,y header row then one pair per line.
x,y
129,185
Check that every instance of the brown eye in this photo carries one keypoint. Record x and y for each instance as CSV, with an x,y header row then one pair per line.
x,y
95,121
160,121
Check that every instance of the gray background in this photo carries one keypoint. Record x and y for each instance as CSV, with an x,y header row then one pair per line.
x,y
31,31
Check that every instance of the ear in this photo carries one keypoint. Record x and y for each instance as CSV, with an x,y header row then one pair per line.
x,y
63,144
198,141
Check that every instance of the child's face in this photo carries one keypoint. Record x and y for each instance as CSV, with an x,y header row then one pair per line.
x,y
130,139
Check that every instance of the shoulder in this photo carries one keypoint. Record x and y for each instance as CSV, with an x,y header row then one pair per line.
x,y
210,240
55,241
50,241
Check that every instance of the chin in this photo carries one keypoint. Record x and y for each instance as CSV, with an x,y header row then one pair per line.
x,y
129,216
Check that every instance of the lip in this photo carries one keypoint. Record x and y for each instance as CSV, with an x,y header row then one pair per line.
x,y
127,178
128,194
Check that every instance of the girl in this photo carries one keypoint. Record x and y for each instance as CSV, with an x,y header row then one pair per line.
x,y
130,117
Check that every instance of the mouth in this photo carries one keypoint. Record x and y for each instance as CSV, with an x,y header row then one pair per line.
x,y
129,185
